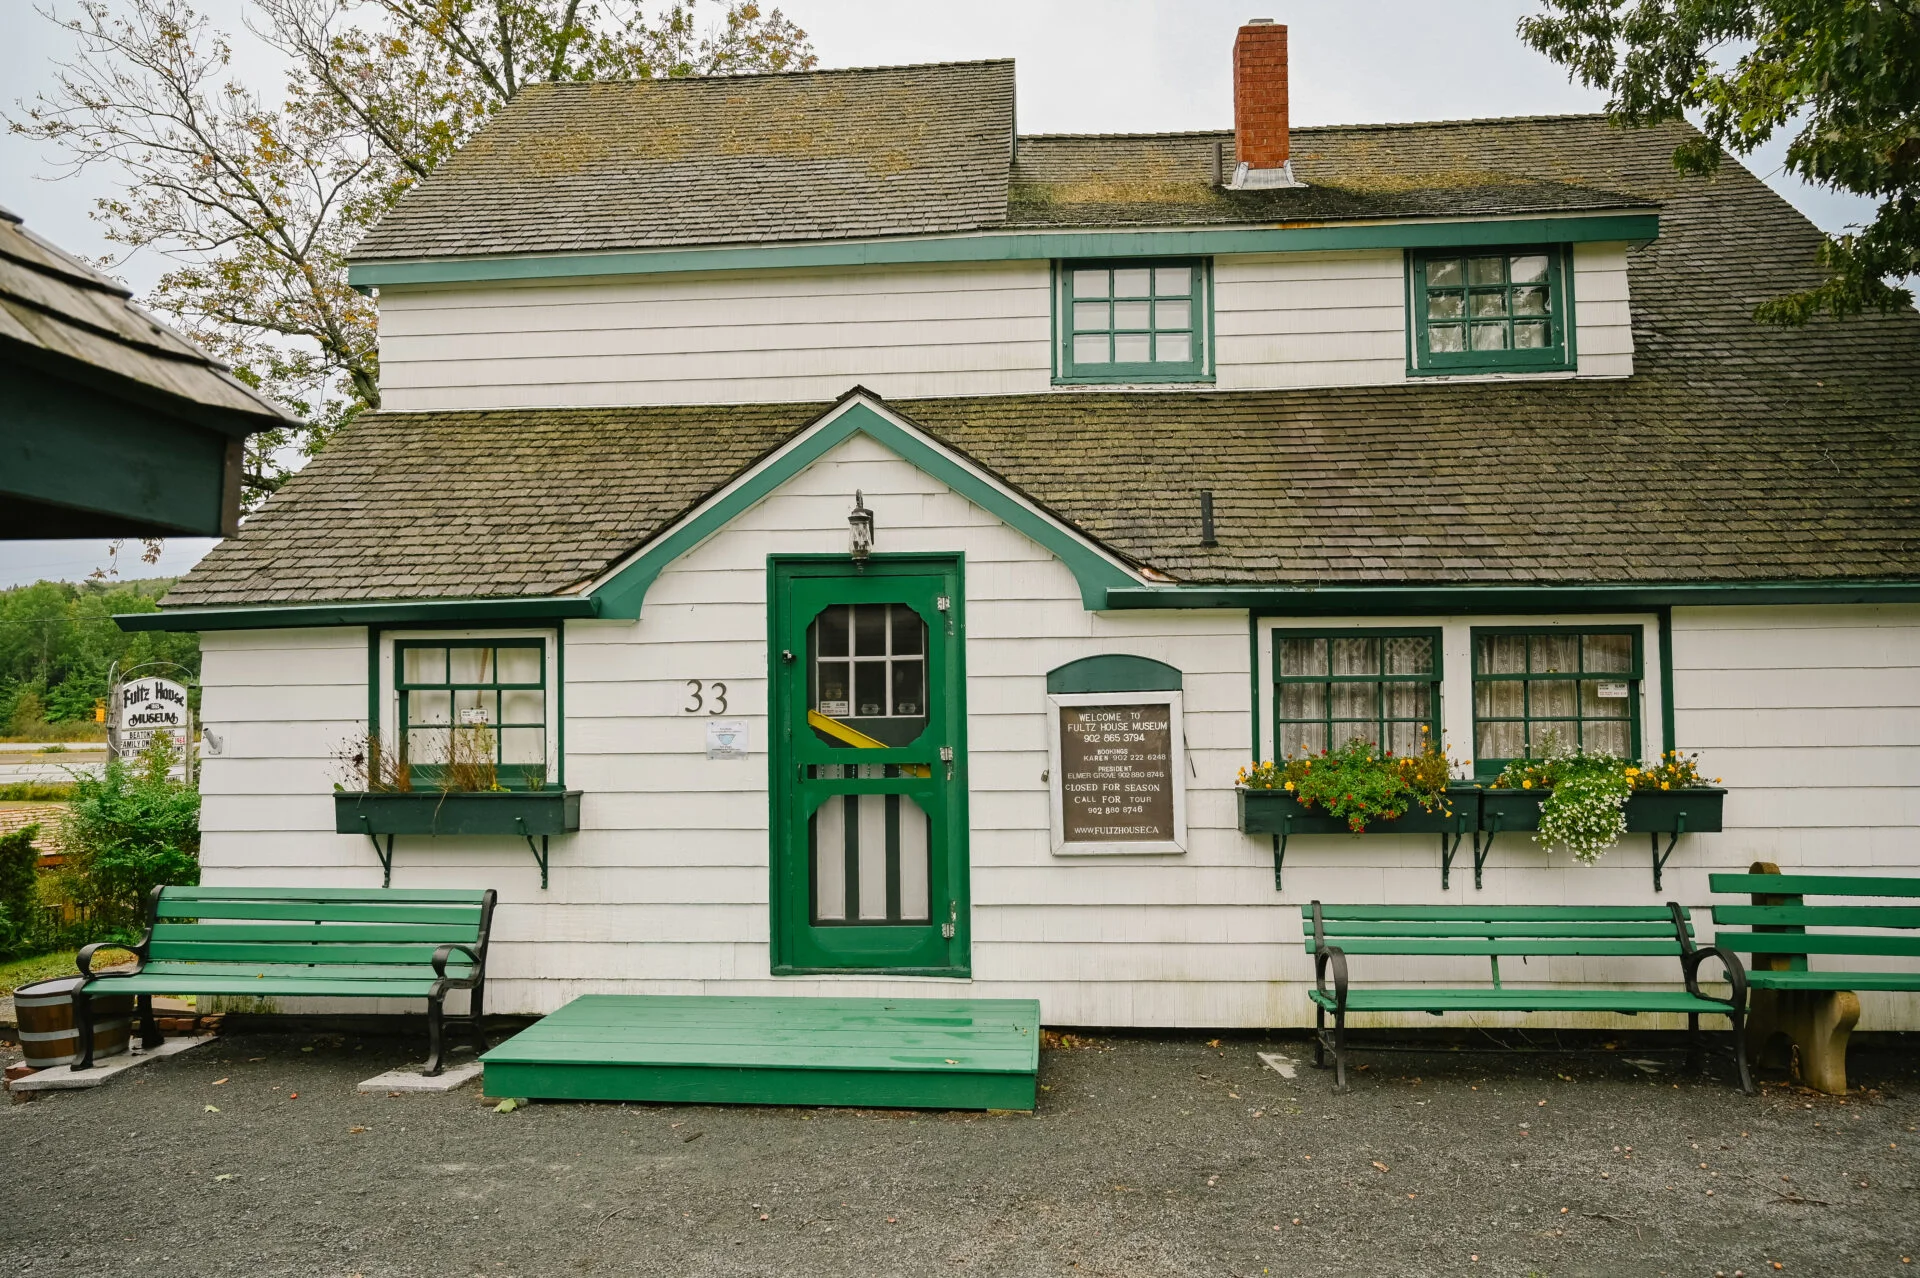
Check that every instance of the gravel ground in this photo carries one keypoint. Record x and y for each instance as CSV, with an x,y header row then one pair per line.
x,y
1149,1155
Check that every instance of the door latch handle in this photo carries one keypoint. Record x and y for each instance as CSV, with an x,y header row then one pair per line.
x,y
953,920
946,757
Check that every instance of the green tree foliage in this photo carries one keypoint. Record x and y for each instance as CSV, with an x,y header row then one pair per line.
x,y
58,641
19,861
259,196
1844,73
128,831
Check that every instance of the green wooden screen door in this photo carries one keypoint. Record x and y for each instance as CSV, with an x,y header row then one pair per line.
x,y
869,766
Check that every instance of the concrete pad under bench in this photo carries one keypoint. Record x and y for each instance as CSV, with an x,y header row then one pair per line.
x,y
60,1078
411,1080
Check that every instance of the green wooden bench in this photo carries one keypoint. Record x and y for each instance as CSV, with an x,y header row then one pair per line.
x,y
1815,1010
262,942
1333,933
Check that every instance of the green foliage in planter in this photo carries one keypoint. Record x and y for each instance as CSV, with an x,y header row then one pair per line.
x,y
1584,808
18,862
1359,782
128,831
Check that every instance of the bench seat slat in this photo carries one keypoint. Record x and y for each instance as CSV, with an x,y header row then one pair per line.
x,y
316,986
308,933
1814,884
1503,913
1819,915
1765,980
1519,946
458,896
1336,931
424,912
1816,943
1405,999
226,952
257,971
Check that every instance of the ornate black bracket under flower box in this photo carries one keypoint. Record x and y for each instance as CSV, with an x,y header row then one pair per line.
x,y
1280,814
1695,810
525,813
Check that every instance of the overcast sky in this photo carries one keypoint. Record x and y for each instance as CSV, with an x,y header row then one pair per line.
x,y
1084,66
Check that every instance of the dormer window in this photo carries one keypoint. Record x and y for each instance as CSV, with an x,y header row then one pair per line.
x,y
1489,311
1132,321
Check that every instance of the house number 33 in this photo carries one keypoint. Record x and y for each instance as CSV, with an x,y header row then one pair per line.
x,y
700,693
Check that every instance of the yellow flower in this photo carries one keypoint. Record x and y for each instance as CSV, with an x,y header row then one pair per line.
x,y
1289,785
1663,785
1526,785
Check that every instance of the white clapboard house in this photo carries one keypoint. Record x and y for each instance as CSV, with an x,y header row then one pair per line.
x,y
873,539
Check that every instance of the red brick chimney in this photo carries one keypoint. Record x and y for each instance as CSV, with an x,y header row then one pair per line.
x,y
1260,94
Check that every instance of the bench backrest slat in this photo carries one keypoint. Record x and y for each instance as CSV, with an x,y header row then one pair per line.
x,y
362,972
1663,928
460,896
1817,943
318,933
1519,946
224,952
316,912
1496,913
1814,884
1819,915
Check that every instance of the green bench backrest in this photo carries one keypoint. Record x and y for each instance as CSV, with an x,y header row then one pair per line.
x,y
1493,930
1785,920
385,926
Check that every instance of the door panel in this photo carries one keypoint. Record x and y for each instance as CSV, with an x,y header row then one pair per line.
x,y
868,785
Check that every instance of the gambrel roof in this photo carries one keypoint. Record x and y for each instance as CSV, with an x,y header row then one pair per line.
x,y
728,159
1735,452
922,150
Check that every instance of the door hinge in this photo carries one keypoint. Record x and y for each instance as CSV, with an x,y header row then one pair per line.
x,y
953,920
943,602
946,757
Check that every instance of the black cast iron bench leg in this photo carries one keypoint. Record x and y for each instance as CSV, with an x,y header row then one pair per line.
x,y
150,1035
1340,1050
1319,1037
474,1007
83,1025
436,1013
1696,1050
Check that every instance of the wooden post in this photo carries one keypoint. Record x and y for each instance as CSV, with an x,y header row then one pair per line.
x,y
1817,1023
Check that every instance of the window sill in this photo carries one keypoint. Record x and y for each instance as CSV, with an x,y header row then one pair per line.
x,y
1122,380
1543,373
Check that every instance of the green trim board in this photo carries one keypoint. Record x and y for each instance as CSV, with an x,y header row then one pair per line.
x,y
1115,672
1019,246
622,592
919,1053
1338,599
388,613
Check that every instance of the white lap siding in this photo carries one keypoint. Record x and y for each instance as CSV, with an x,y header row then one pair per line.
x,y
724,338
1812,716
1281,320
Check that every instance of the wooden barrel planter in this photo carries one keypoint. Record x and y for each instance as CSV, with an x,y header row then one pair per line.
x,y
44,1010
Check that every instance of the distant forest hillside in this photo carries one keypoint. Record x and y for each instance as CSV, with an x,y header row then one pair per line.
x,y
58,643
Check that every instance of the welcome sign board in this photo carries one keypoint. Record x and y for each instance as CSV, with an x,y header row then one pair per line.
x,y
148,706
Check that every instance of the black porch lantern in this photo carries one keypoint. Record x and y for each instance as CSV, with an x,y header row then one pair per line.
x,y
860,526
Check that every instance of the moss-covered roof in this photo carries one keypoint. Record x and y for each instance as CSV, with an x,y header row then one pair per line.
x,y
1735,452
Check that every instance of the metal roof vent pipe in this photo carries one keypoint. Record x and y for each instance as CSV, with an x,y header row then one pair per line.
x,y
1260,134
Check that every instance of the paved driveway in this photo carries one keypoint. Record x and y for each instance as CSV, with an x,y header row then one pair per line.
x,y
1159,1155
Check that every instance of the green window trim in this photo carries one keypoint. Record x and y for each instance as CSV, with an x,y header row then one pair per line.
x,y
1458,298
438,698
1382,717
1578,717
1152,320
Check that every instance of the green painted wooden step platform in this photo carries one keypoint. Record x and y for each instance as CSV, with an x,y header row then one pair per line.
x,y
917,1053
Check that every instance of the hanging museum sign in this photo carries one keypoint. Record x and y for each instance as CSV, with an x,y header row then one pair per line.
x,y
148,706
1117,772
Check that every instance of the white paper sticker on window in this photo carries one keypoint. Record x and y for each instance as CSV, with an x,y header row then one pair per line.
x,y
726,739
1613,690
473,715
836,709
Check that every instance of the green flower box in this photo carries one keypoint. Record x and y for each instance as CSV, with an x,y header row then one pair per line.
x,y
1279,812
519,812
1647,811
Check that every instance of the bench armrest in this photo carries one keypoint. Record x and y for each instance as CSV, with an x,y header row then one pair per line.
x,y
1336,957
84,959
1736,974
441,955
